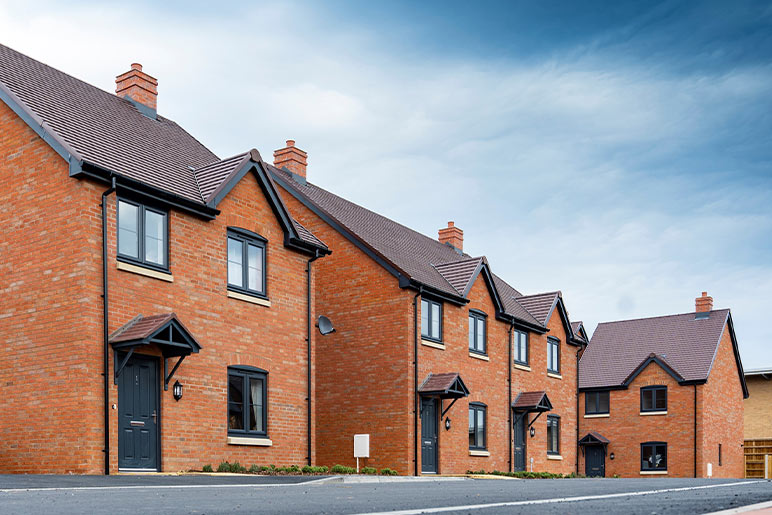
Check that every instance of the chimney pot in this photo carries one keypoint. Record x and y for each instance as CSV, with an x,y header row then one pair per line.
x,y
292,159
453,236
139,87
703,304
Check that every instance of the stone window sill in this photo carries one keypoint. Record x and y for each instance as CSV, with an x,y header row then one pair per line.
x,y
434,345
598,415
554,376
479,356
482,454
653,472
556,457
147,272
522,367
648,413
242,440
249,298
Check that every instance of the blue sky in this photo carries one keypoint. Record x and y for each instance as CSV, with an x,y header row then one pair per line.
x,y
618,151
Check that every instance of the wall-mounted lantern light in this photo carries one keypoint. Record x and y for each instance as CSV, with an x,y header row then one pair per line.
x,y
611,456
177,390
447,423
533,431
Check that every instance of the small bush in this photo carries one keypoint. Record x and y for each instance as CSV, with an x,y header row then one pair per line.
x,y
310,469
207,468
388,472
224,466
254,469
369,470
521,474
342,469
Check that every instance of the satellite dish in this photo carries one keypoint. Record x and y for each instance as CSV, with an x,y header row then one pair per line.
x,y
325,325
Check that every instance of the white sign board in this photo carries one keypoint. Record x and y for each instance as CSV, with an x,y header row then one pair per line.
x,y
361,446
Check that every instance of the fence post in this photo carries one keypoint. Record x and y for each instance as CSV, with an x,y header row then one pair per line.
x,y
766,466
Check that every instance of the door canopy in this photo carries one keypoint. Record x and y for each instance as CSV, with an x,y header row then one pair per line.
x,y
593,438
444,386
532,402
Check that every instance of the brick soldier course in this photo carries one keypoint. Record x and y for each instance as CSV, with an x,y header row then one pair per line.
x,y
695,429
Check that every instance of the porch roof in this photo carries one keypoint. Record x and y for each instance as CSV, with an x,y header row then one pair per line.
x,y
532,402
444,386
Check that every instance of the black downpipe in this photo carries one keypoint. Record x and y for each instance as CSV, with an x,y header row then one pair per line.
x,y
695,430
308,344
105,327
509,392
578,353
415,380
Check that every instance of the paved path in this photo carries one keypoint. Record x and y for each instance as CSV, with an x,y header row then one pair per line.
x,y
260,494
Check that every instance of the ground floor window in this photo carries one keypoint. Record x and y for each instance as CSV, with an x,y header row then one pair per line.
x,y
477,426
247,401
653,456
553,434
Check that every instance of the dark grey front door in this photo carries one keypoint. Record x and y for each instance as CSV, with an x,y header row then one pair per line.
x,y
138,390
519,432
428,435
595,461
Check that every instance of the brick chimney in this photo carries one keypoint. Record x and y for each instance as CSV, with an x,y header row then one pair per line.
x,y
138,87
704,304
452,236
291,158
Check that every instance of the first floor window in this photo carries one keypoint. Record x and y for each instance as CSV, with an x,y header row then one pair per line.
x,y
247,396
521,347
246,262
654,398
431,319
553,355
654,456
596,402
477,426
477,333
553,434
142,234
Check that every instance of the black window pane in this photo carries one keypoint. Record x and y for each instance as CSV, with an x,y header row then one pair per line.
x,y
235,402
591,405
424,318
603,402
661,400
647,457
471,428
647,400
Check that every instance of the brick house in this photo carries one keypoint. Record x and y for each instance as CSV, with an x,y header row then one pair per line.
x,y
663,396
446,366
150,288
758,423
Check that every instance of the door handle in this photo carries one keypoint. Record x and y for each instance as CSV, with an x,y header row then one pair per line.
x,y
155,416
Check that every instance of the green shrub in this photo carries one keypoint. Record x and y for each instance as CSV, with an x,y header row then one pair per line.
x,y
224,466
369,470
238,468
310,469
521,474
388,472
254,469
342,469
207,468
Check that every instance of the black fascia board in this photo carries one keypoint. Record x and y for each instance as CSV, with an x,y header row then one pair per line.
x,y
736,350
603,388
521,324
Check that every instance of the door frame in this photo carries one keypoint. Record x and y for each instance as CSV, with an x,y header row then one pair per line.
x,y
437,407
157,382
586,461
523,421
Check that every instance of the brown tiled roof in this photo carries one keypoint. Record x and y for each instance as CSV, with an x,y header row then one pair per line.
x,y
575,328
539,305
100,129
441,383
460,273
416,256
594,437
530,400
141,327
685,344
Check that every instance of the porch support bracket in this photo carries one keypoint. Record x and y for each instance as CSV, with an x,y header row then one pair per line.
x,y
119,368
448,408
168,377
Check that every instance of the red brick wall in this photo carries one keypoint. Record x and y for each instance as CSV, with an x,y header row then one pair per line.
x,y
50,360
722,415
562,394
626,428
364,369
51,319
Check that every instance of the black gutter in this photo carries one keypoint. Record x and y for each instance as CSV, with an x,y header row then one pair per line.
x,y
509,393
415,381
105,327
695,430
308,343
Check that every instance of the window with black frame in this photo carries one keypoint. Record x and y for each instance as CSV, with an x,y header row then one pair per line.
x,y
143,235
477,332
247,401
553,355
596,403
553,434
246,262
431,320
520,342
654,399
653,456
477,435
